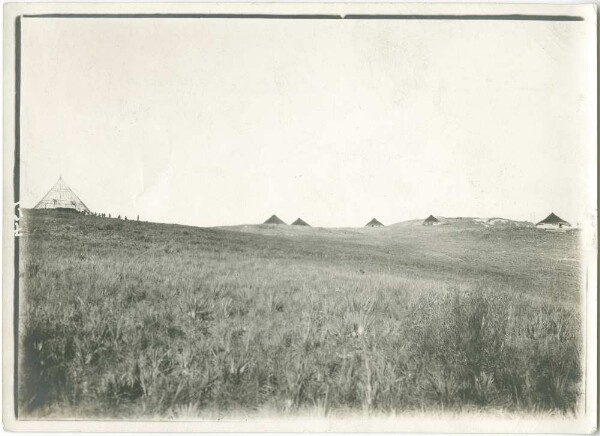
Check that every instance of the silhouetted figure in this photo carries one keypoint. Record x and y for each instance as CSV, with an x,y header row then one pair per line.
x,y
125,218
138,217
109,215
119,217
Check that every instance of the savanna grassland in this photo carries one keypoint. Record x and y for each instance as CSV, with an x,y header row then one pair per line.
x,y
135,319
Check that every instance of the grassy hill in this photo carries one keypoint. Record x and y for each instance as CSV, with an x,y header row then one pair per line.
x,y
125,318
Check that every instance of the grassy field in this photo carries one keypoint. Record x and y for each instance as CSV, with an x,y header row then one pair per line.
x,y
135,319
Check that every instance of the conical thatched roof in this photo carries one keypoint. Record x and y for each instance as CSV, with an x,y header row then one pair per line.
x,y
431,219
61,197
374,223
300,222
274,220
553,219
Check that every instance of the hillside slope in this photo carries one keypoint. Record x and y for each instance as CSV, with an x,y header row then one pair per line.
x,y
125,318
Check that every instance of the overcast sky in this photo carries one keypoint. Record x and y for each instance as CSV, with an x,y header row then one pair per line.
x,y
219,122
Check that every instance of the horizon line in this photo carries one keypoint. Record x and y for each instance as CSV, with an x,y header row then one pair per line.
x,y
487,218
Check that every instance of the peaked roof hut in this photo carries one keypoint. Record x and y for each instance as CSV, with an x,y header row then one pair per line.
x,y
374,223
553,220
431,221
300,222
275,220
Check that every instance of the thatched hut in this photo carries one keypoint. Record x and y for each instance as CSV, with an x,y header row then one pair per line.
x,y
275,220
431,221
552,221
374,223
300,222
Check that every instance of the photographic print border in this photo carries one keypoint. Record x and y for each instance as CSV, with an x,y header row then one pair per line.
x,y
13,16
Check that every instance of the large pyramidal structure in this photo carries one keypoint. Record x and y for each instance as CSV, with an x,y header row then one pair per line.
x,y
61,197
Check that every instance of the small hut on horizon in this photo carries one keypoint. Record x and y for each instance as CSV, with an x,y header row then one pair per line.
x,y
431,221
553,221
275,220
300,222
374,223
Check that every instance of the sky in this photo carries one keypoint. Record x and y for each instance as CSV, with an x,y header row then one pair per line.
x,y
224,122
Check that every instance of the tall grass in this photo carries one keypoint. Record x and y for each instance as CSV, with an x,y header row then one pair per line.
x,y
173,324
484,348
